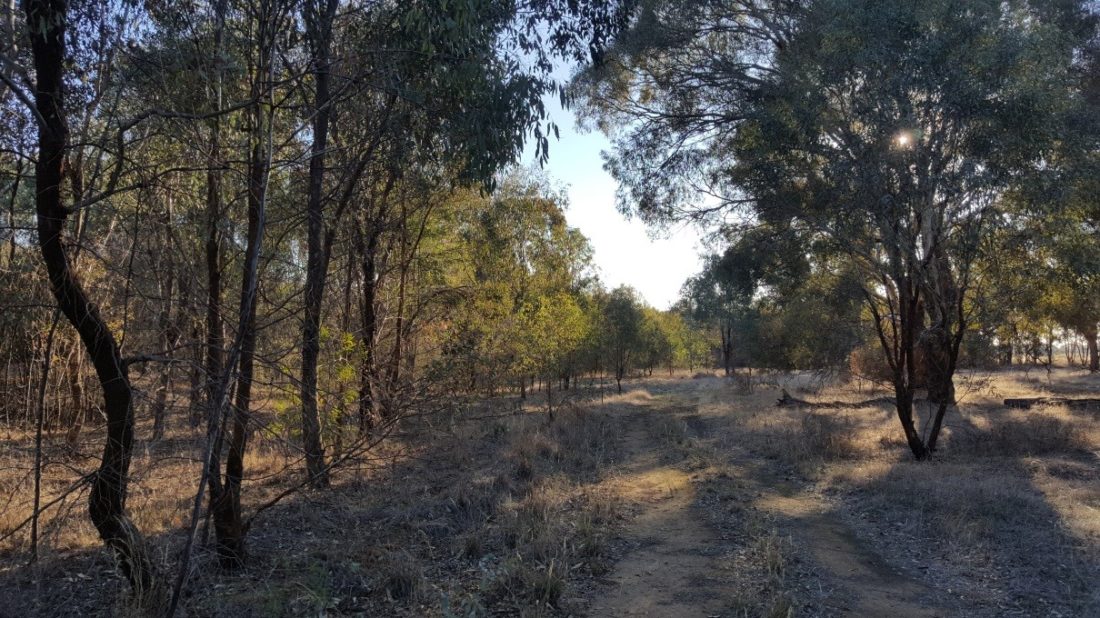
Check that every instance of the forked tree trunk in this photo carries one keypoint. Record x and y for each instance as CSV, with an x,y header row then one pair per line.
x,y
1094,351
905,376
46,25
899,346
225,496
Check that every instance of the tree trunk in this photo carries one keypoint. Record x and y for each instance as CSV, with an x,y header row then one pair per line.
x,y
904,407
194,391
225,497
169,338
80,410
899,344
46,25
11,204
1094,352
169,333
936,352
367,250
905,375
213,358
229,529
404,264
727,349
319,27
937,425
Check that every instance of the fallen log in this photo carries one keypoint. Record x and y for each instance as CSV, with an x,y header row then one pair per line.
x,y
786,401
1025,403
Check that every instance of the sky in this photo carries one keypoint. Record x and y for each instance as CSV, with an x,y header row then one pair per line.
x,y
624,253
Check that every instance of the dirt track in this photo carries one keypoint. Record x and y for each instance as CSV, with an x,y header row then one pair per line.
x,y
677,562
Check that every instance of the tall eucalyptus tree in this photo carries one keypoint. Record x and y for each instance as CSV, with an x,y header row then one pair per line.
x,y
884,131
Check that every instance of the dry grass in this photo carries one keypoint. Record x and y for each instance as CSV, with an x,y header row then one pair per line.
x,y
1007,516
516,514
504,514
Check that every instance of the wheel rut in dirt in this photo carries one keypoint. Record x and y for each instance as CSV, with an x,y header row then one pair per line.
x,y
670,568
866,585
673,564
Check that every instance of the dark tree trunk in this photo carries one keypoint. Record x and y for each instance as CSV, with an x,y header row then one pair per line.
x,y
393,379
906,375
213,364
367,237
46,25
213,357
195,343
939,376
905,415
409,247
225,496
1094,351
11,207
727,349
367,250
899,344
229,528
169,332
318,19
169,338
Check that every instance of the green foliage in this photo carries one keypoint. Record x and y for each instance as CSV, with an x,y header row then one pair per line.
x,y
526,273
862,138
622,330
